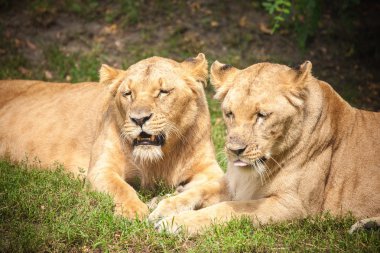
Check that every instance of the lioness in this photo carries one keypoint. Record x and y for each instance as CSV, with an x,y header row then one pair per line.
x,y
150,121
295,148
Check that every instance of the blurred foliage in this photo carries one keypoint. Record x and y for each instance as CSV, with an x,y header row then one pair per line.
x,y
75,67
128,10
279,10
303,16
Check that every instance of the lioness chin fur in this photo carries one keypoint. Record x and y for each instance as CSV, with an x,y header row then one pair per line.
x,y
150,121
295,148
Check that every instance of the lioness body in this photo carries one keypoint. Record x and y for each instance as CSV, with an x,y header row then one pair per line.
x,y
47,122
295,149
96,127
352,182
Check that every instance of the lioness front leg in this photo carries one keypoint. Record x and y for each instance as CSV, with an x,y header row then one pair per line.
x,y
197,197
107,169
260,211
126,201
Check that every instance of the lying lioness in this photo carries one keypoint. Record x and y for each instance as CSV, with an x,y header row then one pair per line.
x,y
295,148
150,121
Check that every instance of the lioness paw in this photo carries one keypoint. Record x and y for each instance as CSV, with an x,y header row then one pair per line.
x,y
366,224
168,225
169,207
163,209
153,203
188,222
132,210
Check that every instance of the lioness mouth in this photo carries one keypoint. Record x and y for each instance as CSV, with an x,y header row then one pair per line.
x,y
147,139
240,163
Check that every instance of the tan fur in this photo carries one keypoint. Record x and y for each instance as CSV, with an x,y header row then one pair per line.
x,y
304,151
87,126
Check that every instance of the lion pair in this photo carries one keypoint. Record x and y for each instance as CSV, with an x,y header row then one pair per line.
x,y
295,148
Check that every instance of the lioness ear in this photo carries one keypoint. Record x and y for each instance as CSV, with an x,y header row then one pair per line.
x,y
198,67
110,76
221,76
298,81
303,72
107,74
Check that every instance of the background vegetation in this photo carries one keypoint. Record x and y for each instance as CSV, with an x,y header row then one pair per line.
x,y
67,41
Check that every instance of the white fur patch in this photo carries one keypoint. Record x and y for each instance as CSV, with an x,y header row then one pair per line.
x,y
243,182
147,153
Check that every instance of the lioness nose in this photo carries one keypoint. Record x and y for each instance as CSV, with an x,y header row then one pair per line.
x,y
141,121
237,149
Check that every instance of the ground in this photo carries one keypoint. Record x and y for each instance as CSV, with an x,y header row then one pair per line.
x,y
68,40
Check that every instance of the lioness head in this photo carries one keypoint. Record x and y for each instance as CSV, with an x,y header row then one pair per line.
x,y
262,108
157,101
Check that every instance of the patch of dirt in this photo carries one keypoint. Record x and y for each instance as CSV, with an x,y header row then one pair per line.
x,y
230,32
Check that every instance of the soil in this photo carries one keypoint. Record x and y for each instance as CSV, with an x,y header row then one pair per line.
x,y
232,33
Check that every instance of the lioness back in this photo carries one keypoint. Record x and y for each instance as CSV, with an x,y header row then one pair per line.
x,y
49,122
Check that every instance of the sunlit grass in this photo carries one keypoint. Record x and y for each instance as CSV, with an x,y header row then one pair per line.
x,y
52,211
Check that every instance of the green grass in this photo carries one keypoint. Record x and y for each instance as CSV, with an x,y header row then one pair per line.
x,y
218,128
79,68
52,211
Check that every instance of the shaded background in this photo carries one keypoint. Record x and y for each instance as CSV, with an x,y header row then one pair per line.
x,y
68,40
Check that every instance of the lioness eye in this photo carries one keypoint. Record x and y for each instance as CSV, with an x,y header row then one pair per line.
x,y
229,114
163,92
262,115
126,93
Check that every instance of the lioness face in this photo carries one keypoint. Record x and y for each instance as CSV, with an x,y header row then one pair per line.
x,y
261,104
157,101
